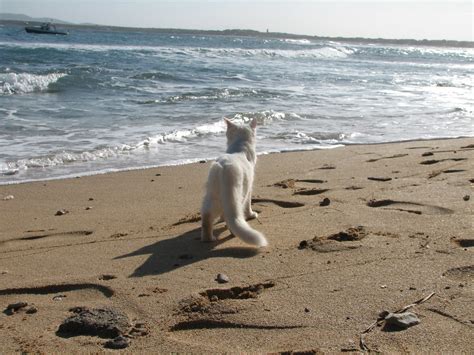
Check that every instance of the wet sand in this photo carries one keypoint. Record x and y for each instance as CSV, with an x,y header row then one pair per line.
x,y
353,231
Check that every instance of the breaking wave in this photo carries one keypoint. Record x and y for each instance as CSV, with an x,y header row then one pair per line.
x,y
323,52
12,83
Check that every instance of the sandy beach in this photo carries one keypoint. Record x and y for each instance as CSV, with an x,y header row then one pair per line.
x,y
353,231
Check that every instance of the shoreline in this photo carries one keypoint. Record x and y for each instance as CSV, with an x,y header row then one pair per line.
x,y
203,160
352,231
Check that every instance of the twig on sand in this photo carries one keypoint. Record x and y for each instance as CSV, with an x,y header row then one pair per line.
x,y
381,319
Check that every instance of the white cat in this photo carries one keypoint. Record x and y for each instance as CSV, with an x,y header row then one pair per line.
x,y
229,187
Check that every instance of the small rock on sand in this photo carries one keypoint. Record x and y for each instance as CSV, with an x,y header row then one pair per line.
x,y
222,278
61,212
119,342
31,310
466,198
401,320
325,202
9,197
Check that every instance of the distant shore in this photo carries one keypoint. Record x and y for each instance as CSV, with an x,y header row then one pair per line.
x,y
253,33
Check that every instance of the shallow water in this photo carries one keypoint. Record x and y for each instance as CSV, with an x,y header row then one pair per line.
x,y
99,100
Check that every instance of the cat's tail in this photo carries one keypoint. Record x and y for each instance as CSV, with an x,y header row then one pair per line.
x,y
234,218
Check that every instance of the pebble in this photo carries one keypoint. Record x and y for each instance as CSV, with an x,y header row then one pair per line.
x,y
9,197
466,198
119,342
325,202
222,278
402,320
61,212
31,310
88,208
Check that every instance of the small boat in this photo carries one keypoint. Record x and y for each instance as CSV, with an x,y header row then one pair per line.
x,y
45,28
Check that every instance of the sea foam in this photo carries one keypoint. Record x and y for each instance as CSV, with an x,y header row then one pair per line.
x,y
13,83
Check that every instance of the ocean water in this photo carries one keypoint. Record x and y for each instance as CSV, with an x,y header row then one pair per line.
x,y
100,100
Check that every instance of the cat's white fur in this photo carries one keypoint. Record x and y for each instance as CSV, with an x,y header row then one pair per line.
x,y
229,187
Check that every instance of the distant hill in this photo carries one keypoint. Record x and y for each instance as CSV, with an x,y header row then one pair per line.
x,y
26,18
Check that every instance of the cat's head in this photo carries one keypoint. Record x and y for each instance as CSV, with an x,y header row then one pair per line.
x,y
240,132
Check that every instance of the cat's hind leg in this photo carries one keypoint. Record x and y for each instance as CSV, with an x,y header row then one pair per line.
x,y
248,212
209,212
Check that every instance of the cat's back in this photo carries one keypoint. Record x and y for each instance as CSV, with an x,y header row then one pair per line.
x,y
236,160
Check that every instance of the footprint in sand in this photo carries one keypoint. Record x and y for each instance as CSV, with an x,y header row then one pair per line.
x,y
279,203
341,241
309,192
205,311
89,288
291,183
464,243
435,161
410,207
47,235
462,273
195,217
389,157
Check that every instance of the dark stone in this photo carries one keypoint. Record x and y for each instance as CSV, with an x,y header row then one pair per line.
x,y
303,244
31,310
61,212
325,202
14,307
102,322
119,342
466,198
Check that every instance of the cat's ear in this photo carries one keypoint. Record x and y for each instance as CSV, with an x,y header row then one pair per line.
x,y
228,123
253,124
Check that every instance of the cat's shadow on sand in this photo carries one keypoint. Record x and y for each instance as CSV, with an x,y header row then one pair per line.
x,y
172,253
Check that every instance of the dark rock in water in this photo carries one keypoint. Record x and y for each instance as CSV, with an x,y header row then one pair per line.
x,y
325,202
14,307
119,342
102,322
222,278
394,321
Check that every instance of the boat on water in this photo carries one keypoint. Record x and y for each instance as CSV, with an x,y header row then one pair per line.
x,y
45,28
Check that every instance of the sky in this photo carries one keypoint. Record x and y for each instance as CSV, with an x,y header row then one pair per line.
x,y
418,19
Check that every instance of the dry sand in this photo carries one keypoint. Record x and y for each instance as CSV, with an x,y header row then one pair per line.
x,y
137,250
